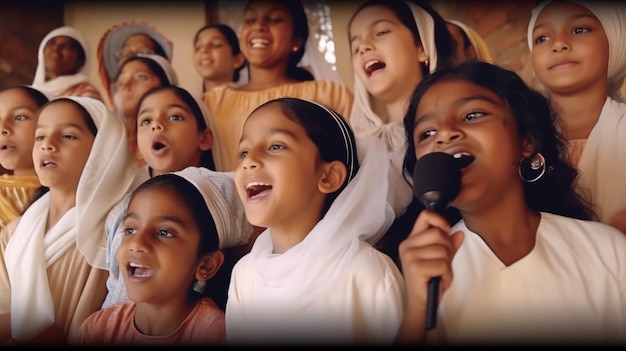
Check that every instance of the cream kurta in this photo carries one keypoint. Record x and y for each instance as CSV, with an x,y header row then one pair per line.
x,y
230,107
77,288
15,195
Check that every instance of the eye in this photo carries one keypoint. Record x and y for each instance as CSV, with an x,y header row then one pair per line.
x,y
249,21
39,137
580,30
276,147
426,134
69,137
540,39
381,33
175,118
165,234
473,115
243,154
141,77
144,122
21,118
275,20
129,230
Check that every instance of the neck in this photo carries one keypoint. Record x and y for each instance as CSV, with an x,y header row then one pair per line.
x,y
60,202
209,84
161,319
265,78
396,110
509,227
287,235
580,111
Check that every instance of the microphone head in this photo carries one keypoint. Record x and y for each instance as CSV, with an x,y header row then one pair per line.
x,y
437,180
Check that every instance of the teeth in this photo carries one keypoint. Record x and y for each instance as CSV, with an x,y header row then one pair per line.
x,y
461,154
369,64
251,184
258,42
134,265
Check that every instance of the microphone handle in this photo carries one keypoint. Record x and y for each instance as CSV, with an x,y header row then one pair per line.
x,y
431,306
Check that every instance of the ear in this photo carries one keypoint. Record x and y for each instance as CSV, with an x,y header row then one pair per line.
x,y
238,61
206,139
421,56
528,148
297,42
471,52
333,176
209,265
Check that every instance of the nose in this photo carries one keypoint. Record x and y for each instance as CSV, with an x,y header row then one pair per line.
x,y
559,45
47,145
4,127
157,126
364,47
250,161
448,134
138,242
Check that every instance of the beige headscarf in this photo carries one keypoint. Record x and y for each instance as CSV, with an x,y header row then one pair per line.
x,y
482,50
107,176
365,121
223,202
612,16
58,85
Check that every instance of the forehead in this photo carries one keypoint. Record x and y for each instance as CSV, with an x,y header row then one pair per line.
x,y
163,97
262,6
134,66
61,112
15,97
371,15
448,93
269,117
211,33
562,10
139,39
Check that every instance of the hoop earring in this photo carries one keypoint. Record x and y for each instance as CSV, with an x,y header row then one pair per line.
x,y
531,169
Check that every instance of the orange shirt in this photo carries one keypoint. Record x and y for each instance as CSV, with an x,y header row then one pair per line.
x,y
115,325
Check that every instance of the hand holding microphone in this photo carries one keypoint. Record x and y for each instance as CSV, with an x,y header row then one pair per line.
x,y
427,252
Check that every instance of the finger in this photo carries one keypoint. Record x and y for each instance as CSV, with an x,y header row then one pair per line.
x,y
427,219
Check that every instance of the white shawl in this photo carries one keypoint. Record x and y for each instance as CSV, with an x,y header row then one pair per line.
x,y
58,85
360,212
603,160
366,122
107,176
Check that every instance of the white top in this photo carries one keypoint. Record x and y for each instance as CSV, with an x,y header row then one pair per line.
x,y
571,288
364,306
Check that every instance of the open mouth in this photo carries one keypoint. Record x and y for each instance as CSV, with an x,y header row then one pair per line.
x,y
253,189
372,66
157,145
48,164
464,159
139,271
259,43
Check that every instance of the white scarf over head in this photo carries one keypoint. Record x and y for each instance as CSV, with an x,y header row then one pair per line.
x,y
58,85
107,176
360,212
612,16
365,121
223,202
170,73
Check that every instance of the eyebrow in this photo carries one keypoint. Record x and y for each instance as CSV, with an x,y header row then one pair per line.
x,y
459,102
354,37
571,18
182,107
64,125
160,218
274,131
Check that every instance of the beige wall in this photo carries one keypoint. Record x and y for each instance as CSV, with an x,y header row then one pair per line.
x,y
341,12
178,21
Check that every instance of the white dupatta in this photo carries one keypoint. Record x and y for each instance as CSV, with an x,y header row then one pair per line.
x,y
107,176
365,121
58,85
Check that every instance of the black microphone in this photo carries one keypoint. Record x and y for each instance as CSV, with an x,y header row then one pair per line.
x,y
436,182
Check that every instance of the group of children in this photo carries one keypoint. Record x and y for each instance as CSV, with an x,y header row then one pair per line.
x,y
281,211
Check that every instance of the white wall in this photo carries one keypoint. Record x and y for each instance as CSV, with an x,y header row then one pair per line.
x,y
177,20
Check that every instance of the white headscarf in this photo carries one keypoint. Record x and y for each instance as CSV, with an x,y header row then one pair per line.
x,y
223,202
612,16
58,85
107,176
365,121
360,212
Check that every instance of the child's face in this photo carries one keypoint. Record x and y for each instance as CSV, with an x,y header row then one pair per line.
x,y
267,33
279,170
62,145
570,48
18,118
213,56
134,80
456,116
135,44
167,133
61,56
159,249
385,56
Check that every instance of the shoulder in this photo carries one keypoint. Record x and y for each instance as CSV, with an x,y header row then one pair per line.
x,y
112,314
374,268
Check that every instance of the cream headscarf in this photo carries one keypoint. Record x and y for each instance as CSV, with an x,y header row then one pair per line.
x,y
365,121
58,85
107,176
359,213
612,16
482,50
223,202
